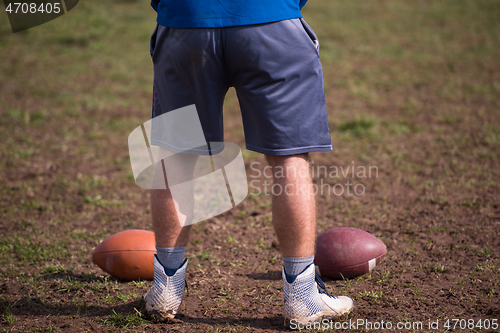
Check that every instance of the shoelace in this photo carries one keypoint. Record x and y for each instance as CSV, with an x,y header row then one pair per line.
x,y
322,287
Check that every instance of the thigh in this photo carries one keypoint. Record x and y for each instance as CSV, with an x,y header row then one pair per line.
x,y
278,77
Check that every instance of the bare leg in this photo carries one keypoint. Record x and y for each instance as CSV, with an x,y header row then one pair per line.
x,y
166,224
163,300
294,211
294,216
168,231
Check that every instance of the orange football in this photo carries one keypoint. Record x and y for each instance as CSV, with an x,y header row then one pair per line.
x,y
127,255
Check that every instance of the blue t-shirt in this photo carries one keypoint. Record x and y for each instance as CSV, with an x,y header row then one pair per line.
x,y
224,13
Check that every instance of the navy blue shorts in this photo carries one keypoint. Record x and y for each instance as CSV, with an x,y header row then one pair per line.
x,y
274,68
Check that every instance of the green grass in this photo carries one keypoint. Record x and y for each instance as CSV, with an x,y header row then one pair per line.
x,y
125,320
31,251
204,255
357,127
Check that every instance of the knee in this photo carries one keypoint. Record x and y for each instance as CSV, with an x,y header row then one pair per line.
x,y
282,160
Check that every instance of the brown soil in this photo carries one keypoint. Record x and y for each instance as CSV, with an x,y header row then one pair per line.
x,y
442,262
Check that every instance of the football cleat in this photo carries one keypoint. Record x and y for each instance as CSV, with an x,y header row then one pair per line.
x,y
163,300
307,300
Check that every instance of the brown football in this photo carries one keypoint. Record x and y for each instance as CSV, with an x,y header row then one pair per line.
x,y
127,255
347,252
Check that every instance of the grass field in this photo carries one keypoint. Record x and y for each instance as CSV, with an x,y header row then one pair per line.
x,y
412,88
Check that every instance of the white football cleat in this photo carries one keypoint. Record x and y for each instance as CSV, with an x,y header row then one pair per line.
x,y
305,302
163,300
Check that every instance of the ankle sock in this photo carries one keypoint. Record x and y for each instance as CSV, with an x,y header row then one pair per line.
x,y
296,265
170,258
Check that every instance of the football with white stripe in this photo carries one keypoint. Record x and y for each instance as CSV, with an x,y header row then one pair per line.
x,y
347,253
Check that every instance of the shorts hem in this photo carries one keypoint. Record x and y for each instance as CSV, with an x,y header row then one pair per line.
x,y
193,151
289,151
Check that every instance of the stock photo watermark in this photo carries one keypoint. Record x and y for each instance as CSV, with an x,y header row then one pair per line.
x,y
24,15
330,180
401,326
205,179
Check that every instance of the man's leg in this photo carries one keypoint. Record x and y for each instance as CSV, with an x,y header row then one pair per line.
x,y
165,297
169,216
294,221
166,224
294,210
171,238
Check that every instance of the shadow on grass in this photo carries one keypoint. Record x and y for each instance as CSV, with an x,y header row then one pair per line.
x,y
127,315
79,277
272,275
275,322
39,307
